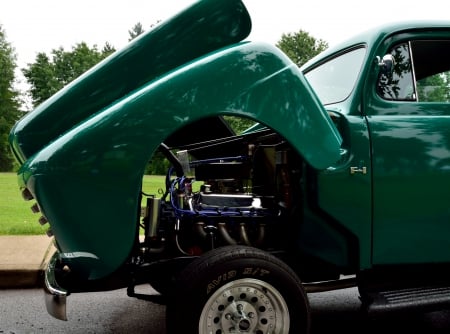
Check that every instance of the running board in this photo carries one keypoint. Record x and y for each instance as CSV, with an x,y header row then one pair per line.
x,y
423,298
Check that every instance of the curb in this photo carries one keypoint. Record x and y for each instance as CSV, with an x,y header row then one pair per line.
x,y
30,276
21,278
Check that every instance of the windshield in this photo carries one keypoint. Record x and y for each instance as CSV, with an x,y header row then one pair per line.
x,y
333,81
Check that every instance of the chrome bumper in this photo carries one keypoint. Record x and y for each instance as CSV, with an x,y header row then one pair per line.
x,y
55,296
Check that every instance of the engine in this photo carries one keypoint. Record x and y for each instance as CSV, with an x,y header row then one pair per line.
x,y
225,200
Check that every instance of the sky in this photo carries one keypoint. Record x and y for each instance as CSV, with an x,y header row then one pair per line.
x,y
34,26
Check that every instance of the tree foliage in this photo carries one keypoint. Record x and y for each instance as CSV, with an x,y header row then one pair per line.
x,y
435,88
135,31
301,46
238,124
9,100
50,73
158,165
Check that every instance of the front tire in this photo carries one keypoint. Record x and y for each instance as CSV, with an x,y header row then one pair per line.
x,y
238,289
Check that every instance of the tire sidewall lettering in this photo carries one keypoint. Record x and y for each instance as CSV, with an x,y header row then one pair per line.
x,y
230,275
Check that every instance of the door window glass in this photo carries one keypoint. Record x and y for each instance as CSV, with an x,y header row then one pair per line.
x,y
431,59
421,72
399,84
333,81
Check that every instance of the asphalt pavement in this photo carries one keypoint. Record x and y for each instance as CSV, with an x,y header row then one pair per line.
x,y
23,260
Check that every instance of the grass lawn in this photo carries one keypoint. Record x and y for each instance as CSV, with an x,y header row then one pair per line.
x,y
16,217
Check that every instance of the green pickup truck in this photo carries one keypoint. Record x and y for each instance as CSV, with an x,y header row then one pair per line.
x,y
343,180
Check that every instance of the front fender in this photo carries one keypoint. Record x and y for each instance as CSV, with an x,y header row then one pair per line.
x,y
87,182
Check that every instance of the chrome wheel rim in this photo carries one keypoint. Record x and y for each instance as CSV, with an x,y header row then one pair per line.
x,y
245,306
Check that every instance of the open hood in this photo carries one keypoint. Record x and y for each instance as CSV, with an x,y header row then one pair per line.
x,y
204,27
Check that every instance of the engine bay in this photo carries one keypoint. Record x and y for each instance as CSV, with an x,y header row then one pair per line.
x,y
245,198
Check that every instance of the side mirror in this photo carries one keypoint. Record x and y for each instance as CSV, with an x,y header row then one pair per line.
x,y
386,64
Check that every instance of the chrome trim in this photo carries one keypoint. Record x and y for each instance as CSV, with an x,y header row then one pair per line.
x,y
362,170
323,286
55,296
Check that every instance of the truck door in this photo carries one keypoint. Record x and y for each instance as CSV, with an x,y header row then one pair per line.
x,y
409,122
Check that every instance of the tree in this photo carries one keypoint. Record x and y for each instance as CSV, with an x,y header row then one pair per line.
x,y
135,31
48,74
9,100
434,88
301,47
238,124
108,49
42,79
159,165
